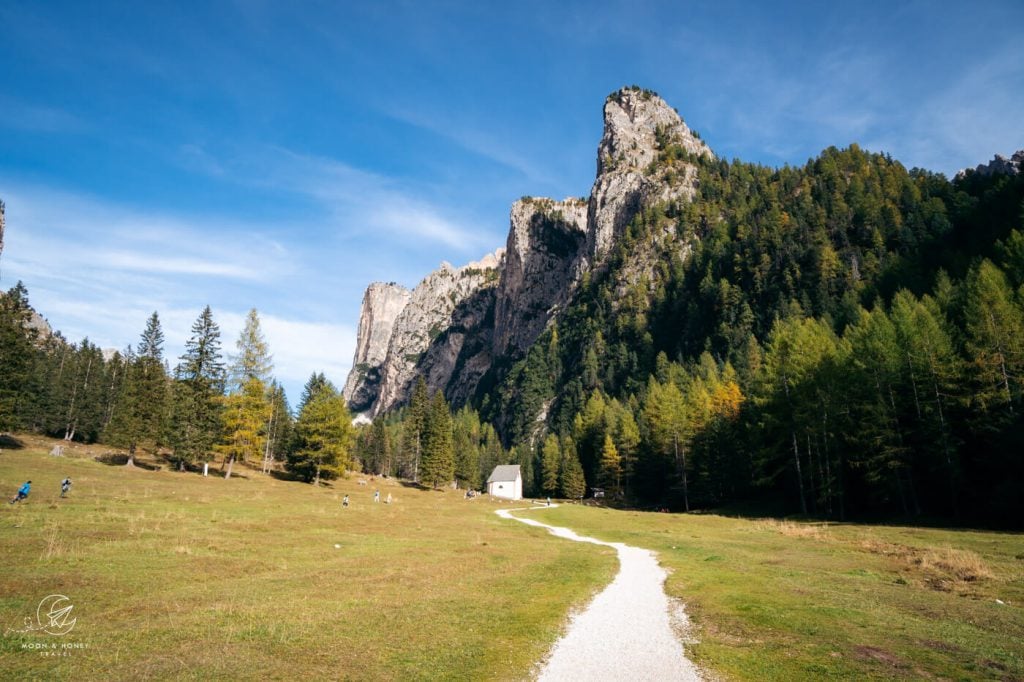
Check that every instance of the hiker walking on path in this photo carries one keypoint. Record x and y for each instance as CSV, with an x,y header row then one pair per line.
x,y
65,486
23,492
376,496
344,501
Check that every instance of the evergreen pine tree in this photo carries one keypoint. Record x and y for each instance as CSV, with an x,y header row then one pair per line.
x,y
18,358
438,461
323,437
197,394
416,423
139,412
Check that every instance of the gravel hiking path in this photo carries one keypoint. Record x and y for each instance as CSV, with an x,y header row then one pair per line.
x,y
626,632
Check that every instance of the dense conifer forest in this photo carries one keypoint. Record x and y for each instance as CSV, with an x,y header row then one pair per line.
x,y
841,340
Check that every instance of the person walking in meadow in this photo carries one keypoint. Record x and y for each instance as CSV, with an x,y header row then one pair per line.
x,y
376,496
23,492
65,486
344,501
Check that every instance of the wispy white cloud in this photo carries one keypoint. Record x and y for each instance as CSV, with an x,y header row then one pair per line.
x,y
479,142
98,270
79,238
355,202
122,260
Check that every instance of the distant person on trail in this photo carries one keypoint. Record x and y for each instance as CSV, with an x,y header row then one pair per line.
x,y
65,486
344,501
376,496
23,492
549,500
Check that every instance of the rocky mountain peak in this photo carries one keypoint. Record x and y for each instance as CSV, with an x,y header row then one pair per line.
x,y
638,125
397,327
647,155
382,304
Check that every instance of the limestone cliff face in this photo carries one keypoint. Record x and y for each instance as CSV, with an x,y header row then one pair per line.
x,y
398,327
382,304
642,135
545,241
457,323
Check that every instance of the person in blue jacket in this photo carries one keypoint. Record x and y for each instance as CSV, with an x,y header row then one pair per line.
x,y
23,492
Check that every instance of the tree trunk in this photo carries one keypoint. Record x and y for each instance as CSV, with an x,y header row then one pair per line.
x,y
686,490
231,463
799,475
899,488
316,479
1002,367
206,468
131,456
945,450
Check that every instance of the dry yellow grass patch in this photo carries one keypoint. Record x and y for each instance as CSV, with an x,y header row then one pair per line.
x,y
940,568
814,531
962,564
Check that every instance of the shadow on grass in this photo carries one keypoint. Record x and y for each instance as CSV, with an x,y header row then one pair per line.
x,y
120,459
775,507
287,476
9,442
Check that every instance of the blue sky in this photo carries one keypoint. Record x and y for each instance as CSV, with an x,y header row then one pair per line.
x,y
166,156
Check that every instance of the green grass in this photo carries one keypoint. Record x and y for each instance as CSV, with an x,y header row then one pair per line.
x,y
785,601
173,575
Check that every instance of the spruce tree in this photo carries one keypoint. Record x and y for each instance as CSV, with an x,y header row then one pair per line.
x,y
438,461
416,422
139,412
323,437
466,442
280,426
197,395
18,358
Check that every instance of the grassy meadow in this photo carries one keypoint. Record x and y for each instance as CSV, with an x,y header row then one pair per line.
x,y
173,575
176,576
776,600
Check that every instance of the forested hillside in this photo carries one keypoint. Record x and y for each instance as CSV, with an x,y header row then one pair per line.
x,y
845,338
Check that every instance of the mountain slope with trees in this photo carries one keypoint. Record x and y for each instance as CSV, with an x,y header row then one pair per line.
x,y
838,339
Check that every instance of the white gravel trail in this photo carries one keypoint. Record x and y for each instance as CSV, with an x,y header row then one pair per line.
x,y
626,632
